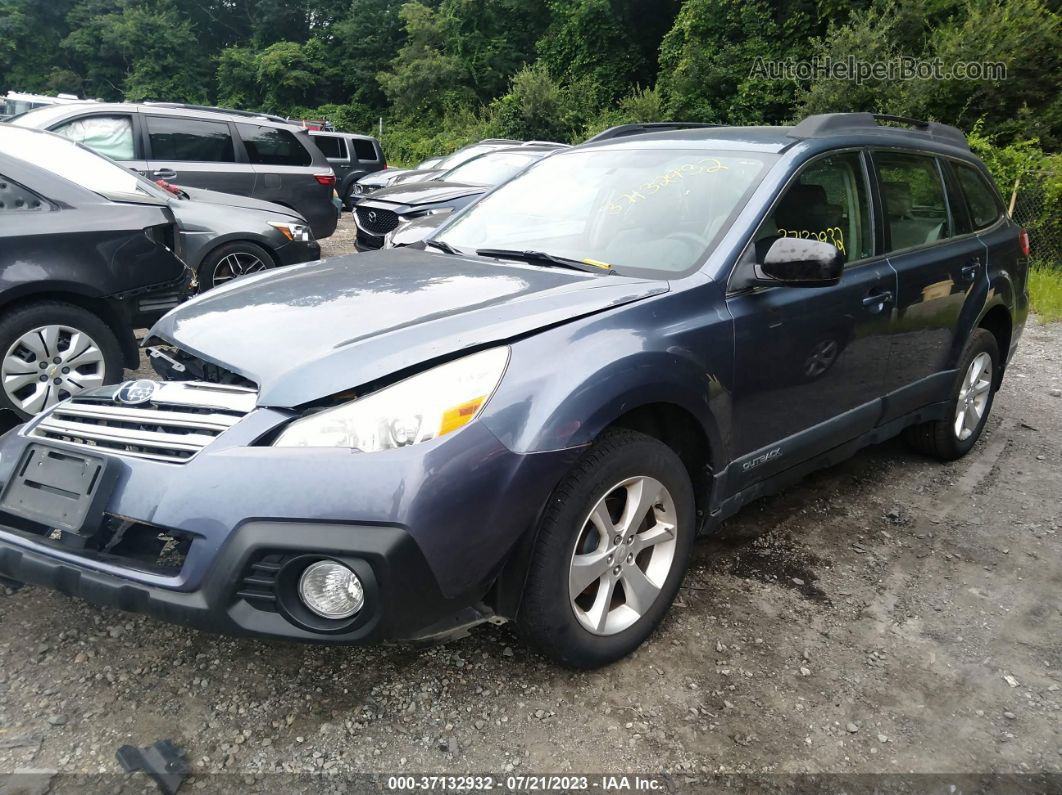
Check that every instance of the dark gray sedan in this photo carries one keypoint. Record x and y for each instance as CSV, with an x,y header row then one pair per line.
x,y
225,236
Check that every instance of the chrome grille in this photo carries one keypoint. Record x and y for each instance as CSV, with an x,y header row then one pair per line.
x,y
181,419
375,220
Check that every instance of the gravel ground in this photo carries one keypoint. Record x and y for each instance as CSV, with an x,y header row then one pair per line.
x,y
891,615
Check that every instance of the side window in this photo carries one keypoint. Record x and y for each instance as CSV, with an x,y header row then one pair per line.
x,y
364,150
191,140
109,135
980,198
273,146
16,199
331,146
827,202
916,212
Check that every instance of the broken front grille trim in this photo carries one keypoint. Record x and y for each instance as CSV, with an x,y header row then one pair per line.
x,y
181,419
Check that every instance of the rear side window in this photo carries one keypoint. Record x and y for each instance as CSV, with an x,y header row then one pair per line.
x,y
16,199
916,212
980,198
109,135
331,146
364,150
827,202
190,140
272,146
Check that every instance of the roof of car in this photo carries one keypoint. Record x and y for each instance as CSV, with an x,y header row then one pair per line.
x,y
168,109
338,134
855,128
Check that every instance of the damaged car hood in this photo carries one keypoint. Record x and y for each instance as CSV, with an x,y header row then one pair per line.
x,y
309,331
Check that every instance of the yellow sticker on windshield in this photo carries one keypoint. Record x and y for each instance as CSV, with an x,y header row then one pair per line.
x,y
597,264
706,165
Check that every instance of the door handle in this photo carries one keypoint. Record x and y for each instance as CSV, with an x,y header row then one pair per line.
x,y
878,300
969,272
165,173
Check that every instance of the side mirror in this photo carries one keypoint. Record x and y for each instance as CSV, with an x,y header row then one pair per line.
x,y
800,262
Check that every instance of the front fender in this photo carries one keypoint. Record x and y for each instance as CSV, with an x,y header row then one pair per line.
x,y
566,385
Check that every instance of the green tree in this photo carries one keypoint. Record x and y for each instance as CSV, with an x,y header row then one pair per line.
x,y
424,78
587,40
707,60
137,50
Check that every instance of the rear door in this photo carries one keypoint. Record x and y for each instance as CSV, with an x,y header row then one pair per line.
x,y
286,173
199,153
939,263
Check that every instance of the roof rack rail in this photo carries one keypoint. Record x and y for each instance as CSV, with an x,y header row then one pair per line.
x,y
231,111
623,130
823,125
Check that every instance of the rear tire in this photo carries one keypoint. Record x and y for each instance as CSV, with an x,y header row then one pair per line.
x,y
971,400
41,333
630,584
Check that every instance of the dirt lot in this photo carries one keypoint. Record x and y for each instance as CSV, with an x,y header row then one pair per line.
x,y
896,615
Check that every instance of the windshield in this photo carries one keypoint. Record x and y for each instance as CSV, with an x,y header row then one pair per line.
x,y
462,156
43,116
489,169
652,211
78,165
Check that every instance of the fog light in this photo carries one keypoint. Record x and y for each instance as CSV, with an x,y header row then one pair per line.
x,y
331,590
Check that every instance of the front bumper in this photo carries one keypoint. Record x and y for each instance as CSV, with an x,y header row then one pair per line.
x,y
427,528
295,251
401,596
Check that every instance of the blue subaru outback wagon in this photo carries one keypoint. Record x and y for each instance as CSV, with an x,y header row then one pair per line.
x,y
531,415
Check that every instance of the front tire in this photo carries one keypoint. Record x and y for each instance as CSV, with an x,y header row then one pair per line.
x,y
52,350
611,552
971,401
231,261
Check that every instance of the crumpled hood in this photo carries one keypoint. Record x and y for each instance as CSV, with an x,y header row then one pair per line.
x,y
308,331
430,192
232,200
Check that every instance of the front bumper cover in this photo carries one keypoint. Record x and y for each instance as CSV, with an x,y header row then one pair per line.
x,y
434,524
401,595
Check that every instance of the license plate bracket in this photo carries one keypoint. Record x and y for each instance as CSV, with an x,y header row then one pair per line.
x,y
61,489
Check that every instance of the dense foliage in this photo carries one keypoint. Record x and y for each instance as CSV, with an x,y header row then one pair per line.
x,y
442,72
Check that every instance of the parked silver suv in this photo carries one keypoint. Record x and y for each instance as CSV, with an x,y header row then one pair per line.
x,y
230,151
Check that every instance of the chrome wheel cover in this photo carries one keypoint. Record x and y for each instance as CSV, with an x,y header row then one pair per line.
x,y
49,364
237,264
973,396
622,556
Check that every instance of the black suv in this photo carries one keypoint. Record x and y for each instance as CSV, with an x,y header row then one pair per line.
x,y
86,255
230,151
351,157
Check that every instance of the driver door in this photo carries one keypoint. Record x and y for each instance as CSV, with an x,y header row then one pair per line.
x,y
809,361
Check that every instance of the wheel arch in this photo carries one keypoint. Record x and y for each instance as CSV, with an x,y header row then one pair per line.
x,y
666,421
999,322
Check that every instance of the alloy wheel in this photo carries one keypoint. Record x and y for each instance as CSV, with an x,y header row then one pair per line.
x,y
973,396
48,364
623,555
821,358
239,263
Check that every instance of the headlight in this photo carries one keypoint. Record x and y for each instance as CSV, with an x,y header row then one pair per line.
x,y
423,407
425,213
293,231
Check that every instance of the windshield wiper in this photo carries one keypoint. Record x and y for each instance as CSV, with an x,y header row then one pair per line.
x,y
446,248
542,258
